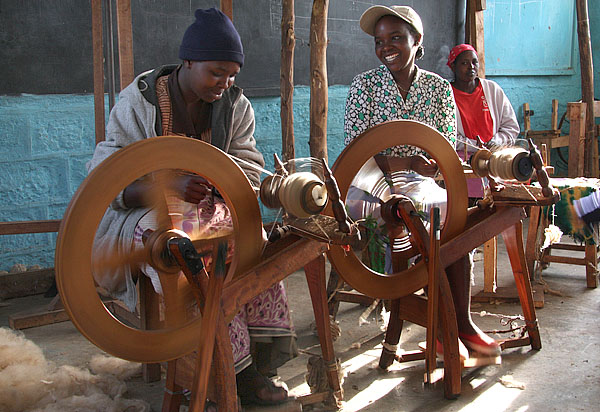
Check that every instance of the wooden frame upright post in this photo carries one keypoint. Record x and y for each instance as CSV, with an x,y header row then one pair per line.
x,y
226,7
125,43
318,79
554,114
474,35
288,43
577,118
98,62
526,117
587,88
474,30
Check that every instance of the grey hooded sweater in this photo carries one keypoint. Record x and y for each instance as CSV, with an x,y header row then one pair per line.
x,y
136,117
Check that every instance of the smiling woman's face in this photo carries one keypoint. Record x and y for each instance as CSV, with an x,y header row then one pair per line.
x,y
395,44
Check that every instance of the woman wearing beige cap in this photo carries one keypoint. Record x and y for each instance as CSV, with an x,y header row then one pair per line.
x,y
399,89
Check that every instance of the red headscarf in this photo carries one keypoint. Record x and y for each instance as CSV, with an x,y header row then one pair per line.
x,y
456,51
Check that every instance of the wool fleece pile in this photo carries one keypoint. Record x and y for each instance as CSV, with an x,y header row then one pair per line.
x,y
29,382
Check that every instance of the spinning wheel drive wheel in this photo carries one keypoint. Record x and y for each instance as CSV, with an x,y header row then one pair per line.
x,y
347,166
73,261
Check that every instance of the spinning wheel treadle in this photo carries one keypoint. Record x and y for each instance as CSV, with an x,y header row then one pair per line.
x,y
348,164
76,236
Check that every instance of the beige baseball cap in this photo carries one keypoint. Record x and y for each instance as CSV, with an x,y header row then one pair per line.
x,y
374,13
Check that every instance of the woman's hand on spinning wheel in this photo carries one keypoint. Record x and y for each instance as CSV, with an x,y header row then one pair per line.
x,y
189,187
424,166
192,188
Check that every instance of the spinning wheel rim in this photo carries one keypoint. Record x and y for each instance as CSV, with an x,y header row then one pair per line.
x,y
73,258
347,165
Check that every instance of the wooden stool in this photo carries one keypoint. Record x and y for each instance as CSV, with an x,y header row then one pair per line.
x,y
538,222
569,223
492,291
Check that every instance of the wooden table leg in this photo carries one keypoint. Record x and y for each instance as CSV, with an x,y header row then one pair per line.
x,y
392,336
224,372
447,318
173,392
490,265
394,329
591,265
434,273
532,238
513,239
315,277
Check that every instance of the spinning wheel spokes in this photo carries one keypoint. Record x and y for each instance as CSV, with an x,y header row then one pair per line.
x,y
349,164
117,260
179,330
161,180
175,287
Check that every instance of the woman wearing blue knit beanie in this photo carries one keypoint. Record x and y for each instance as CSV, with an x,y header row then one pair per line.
x,y
198,99
211,37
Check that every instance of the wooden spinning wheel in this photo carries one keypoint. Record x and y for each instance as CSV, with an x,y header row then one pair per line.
x,y
76,236
346,167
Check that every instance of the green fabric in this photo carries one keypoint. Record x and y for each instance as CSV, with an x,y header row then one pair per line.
x,y
376,245
565,216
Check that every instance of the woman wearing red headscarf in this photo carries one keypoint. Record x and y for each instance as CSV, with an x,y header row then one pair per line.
x,y
482,109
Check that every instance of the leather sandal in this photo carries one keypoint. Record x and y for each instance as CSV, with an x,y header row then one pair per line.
x,y
251,384
210,406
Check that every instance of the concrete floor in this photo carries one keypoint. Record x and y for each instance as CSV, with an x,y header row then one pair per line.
x,y
563,376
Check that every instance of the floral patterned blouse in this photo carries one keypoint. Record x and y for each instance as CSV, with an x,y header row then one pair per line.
x,y
374,98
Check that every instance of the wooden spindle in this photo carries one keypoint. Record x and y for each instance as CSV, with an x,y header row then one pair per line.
x,y
333,191
538,164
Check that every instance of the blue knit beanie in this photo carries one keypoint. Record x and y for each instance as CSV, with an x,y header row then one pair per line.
x,y
211,37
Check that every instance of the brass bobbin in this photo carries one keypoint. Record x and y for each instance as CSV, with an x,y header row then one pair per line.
x,y
510,163
301,194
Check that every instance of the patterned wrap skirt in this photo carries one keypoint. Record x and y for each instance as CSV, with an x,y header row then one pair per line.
x,y
265,320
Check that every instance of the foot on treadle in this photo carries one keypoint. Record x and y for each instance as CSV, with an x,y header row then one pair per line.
x,y
256,389
462,350
480,343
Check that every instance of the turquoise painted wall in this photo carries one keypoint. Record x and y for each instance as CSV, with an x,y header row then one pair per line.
x,y
46,140
44,144
539,90
268,123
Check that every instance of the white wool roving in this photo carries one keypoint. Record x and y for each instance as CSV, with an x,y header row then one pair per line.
x,y
117,367
28,382
95,403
